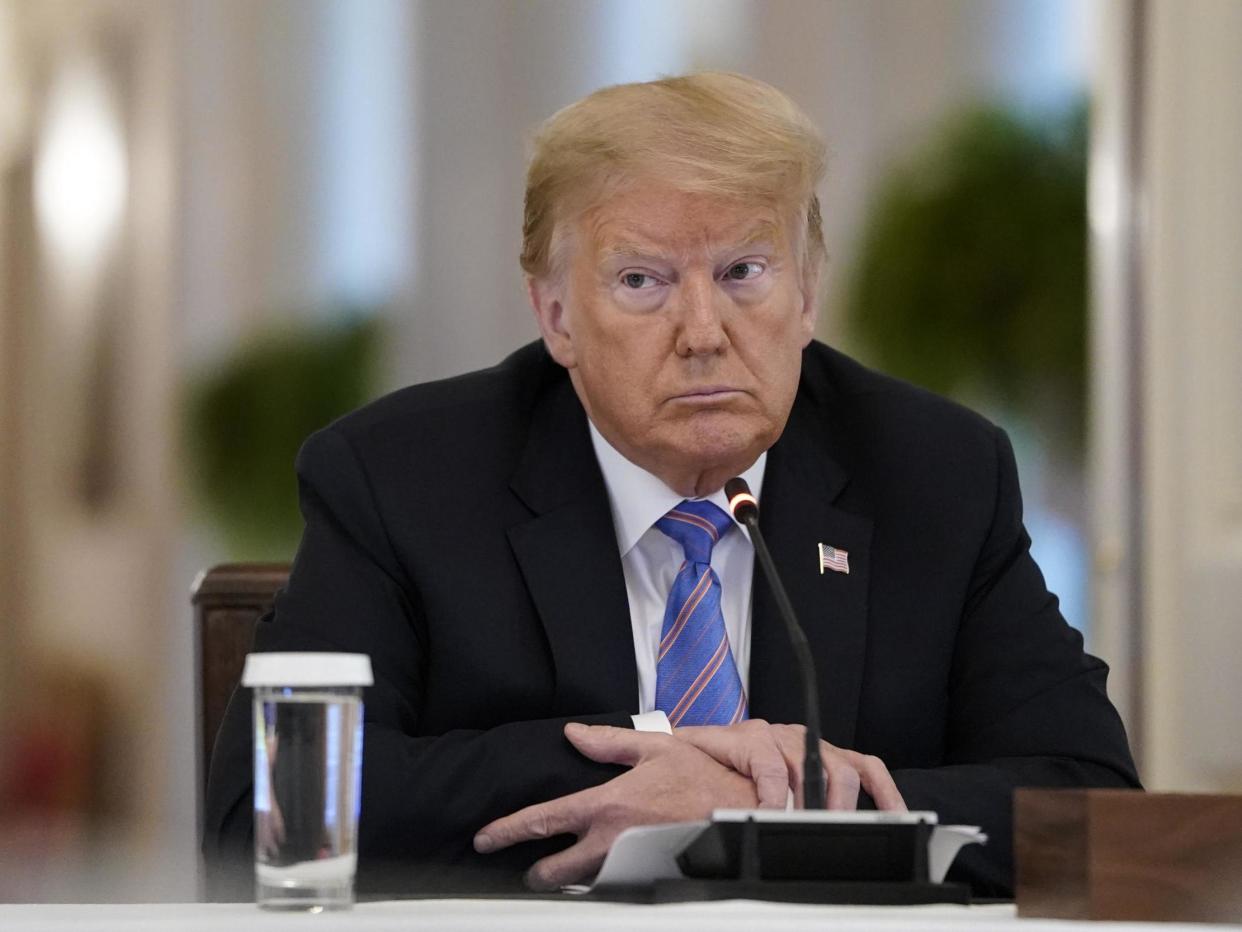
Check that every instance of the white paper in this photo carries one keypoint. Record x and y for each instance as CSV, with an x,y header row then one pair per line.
x,y
646,853
946,841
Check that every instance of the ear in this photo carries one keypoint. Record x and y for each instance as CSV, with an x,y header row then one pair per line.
x,y
547,301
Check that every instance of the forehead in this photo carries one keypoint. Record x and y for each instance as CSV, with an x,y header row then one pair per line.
x,y
659,220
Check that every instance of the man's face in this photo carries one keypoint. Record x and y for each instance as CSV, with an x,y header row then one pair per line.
x,y
681,319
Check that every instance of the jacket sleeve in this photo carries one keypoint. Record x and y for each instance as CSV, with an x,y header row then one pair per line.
x,y
423,796
1027,705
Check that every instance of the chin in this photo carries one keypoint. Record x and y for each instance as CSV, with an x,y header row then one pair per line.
x,y
724,446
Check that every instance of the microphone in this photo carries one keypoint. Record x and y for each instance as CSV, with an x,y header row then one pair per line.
x,y
745,508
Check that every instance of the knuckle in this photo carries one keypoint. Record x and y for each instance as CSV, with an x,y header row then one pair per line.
x,y
786,732
612,811
538,825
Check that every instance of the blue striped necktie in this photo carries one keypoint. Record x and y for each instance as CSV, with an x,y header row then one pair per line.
x,y
697,682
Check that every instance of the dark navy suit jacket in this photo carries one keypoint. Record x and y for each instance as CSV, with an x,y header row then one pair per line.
x,y
459,533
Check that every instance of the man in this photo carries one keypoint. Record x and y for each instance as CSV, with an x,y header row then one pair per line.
x,y
567,632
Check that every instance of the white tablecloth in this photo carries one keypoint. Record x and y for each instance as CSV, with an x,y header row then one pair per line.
x,y
540,916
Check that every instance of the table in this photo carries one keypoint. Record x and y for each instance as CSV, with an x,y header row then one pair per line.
x,y
461,915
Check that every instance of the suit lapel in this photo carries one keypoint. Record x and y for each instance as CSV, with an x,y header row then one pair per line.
x,y
568,556
801,483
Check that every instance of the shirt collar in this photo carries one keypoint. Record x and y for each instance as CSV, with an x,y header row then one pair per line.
x,y
639,499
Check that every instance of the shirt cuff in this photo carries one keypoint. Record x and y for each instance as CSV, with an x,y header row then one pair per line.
x,y
655,720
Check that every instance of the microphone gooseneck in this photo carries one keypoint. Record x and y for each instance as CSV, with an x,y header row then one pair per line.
x,y
745,508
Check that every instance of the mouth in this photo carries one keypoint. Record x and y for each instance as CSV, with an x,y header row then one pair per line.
x,y
707,394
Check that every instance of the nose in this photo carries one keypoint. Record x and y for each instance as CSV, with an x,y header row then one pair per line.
x,y
701,332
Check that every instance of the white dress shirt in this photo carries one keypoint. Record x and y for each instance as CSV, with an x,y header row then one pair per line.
x,y
650,559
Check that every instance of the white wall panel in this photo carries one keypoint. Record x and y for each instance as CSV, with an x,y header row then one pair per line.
x,y
1193,393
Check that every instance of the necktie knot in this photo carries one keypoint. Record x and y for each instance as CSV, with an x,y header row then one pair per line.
x,y
696,525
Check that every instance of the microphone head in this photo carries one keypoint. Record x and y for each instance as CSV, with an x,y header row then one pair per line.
x,y
742,503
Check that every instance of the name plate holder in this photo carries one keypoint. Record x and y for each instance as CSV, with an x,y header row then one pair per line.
x,y
858,858
1126,855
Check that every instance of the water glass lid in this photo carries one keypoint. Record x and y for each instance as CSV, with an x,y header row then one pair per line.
x,y
307,669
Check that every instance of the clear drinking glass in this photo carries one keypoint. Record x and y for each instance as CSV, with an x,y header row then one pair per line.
x,y
307,776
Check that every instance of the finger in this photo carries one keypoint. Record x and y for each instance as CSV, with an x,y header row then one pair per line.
x,y
772,787
611,745
762,759
793,746
712,740
576,863
719,743
568,814
843,781
770,773
792,742
878,782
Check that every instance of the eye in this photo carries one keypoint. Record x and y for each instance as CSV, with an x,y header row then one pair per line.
x,y
637,281
744,271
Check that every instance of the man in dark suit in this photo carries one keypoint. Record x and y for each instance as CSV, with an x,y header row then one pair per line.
x,y
566,631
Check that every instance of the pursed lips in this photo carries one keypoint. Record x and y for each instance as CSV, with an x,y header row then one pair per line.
x,y
706,393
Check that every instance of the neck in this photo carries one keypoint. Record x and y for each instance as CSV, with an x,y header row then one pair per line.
x,y
698,484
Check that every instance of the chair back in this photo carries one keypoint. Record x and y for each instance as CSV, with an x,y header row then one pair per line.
x,y
228,601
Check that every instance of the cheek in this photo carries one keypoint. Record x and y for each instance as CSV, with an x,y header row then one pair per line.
x,y
775,333
615,379
776,356
633,347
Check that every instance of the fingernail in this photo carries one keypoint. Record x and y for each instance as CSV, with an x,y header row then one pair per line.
x,y
575,728
483,843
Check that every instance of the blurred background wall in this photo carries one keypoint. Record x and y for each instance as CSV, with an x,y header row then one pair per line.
x,y
224,221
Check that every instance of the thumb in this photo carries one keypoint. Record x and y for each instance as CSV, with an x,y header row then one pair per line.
x,y
609,744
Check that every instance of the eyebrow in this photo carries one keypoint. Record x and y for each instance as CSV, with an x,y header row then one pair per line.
x,y
763,232
623,249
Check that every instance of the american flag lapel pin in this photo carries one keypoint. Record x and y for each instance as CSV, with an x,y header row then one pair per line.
x,y
833,558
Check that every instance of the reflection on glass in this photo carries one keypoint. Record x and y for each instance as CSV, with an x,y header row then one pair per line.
x,y
308,770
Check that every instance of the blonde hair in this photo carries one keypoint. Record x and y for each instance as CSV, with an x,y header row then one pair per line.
x,y
715,133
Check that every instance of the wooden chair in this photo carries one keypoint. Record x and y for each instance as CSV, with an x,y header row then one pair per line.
x,y
228,601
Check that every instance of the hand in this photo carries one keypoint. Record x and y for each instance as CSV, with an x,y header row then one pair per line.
x,y
753,748
748,748
269,830
669,781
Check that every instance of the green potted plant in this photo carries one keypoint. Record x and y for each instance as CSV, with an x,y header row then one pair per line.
x,y
248,415
971,279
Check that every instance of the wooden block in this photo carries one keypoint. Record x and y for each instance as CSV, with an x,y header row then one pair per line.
x,y
1128,855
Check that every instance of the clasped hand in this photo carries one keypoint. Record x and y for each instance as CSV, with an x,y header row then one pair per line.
x,y
677,778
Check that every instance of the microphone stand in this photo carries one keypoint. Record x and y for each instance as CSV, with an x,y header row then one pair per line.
x,y
745,509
